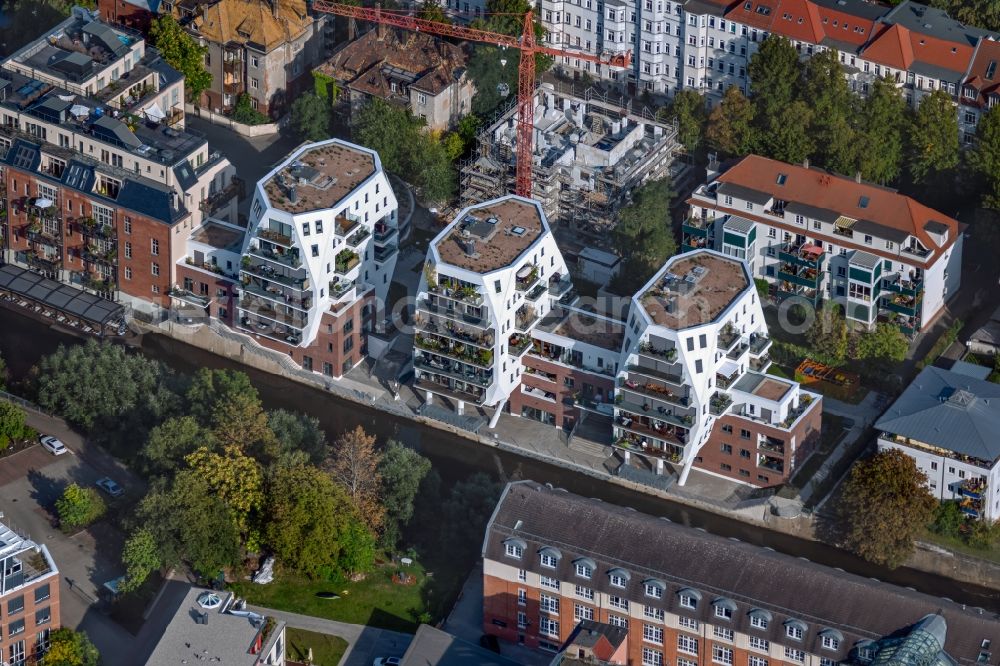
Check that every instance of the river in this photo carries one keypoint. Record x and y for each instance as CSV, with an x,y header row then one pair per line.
x,y
24,340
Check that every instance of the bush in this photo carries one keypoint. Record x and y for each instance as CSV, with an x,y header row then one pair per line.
x,y
941,345
12,426
79,507
244,112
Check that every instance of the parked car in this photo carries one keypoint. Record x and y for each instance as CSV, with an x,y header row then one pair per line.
x,y
108,485
386,661
52,445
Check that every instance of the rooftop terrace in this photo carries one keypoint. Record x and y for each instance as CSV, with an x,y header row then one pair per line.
x,y
763,386
76,49
694,289
592,330
492,236
319,177
220,236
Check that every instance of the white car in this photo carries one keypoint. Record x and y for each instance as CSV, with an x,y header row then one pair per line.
x,y
387,661
52,445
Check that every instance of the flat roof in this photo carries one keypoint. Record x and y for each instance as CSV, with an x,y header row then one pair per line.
x,y
490,236
58,296
321,175
592,329
224,638
762,386
433,647
221,236
694,288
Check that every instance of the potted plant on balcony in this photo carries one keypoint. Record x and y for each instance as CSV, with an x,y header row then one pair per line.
x,y
245,262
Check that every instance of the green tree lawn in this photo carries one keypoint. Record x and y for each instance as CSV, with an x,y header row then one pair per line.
x,y
327,650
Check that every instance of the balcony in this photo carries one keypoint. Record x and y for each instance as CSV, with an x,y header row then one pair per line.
x,y
265,309
798,275
567,357
455,350
654,390
525,318
290,258
668,451
384,254
655,415
92,255
455,292
344,225
728,337
219,199
698,226
458,333
536,292
452,369
458,315
384,233
538,393
653,373
719,403
339,288
50,263
269,329
526,278
771,445
455,390
972,488
772,463
912,287
691,242
668,355
52,239
268,273
559,285
737,352
346,260
276,237
902,304
917,251
277,294
358,237
518,344
654,429
787,289
760,363
189,297
91,229
759,343
807,255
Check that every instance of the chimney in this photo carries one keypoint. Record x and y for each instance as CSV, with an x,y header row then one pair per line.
x,y
857,176
469,245
274,8
379,27
805,163
293,194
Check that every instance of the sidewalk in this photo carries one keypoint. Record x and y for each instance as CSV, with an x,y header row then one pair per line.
x,y
364,644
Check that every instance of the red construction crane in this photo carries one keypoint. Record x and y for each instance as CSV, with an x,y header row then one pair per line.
x,y
525,43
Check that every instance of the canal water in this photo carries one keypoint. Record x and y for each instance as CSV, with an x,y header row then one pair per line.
x,y
23,341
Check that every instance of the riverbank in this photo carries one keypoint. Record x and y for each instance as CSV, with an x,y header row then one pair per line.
x,y
23,341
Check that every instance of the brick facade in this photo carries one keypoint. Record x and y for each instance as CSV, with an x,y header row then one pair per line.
x,y
33,614
125,13
566,383
217,288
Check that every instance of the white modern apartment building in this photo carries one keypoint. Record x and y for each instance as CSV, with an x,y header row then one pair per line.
x,y
816,235
947,422
694,357
706,45
319,255
484,287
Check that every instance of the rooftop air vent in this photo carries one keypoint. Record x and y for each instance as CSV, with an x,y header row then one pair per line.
x,y
518,231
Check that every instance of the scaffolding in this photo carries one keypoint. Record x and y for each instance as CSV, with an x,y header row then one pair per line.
x,y
591,152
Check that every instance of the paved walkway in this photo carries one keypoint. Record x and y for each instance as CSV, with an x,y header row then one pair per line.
x,y
364,644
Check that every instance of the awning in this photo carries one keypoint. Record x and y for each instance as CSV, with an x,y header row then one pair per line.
x,y
154,112
67,299
729,368
43,203
80,111
844,222
525,271
812,249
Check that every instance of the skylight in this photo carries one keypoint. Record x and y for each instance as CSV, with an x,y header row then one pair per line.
x,y
781,178
863,202
991,69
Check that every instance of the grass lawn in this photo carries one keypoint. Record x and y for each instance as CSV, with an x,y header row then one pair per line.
x,y
956,544
327,650
375,601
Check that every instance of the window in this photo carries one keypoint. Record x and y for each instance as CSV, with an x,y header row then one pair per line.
x,y
548,627
681,661
723,611
522,597
688,623
618,621
581,612
758,620
15,628
522,575
758,643
652,634
155,269
254,83
791,654
830,642
128,272
15,605
722,655
688,601
617,580
794,630
154,247
653,613
651,657
687,644
41,593
254,62
727,449
654,590
754,660
548,560
583,571
128,224
723,633
549,604
618,602
826,661
43,616
584,592
551,583
522,620
128,250
744,434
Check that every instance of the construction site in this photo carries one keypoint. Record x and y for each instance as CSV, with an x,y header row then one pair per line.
x,y
590,152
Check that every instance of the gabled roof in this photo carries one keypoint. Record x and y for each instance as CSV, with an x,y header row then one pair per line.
x,y
891,47
948,410
255,21
823,190
984,73
841,27
798,20
755,13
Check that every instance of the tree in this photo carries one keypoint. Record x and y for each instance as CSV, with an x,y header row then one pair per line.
x,y
828,335
885,343
355,466
688,107
183,53
141,557
171,441
643,237
984,158
775,73
731,131
832,104
402,470
299,432
787,137
308,516
3,374
880,131
237,481
243,112
357,549
933,139
210,388
388,130
79,507
431,10
190,524
12,425
467,509
226,402
311,117
430,169
95,384
70,648
884,506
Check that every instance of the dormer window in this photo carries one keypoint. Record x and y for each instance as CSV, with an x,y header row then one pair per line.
x,y
795,629
654,588
689,598
618,578
724,608
759,619
584,567
514,548
831,639
549,557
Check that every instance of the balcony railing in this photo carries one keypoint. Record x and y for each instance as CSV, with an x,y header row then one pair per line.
x,y
90,228
630,442
771,463
802,254
654,414
278,295
290,258
806,277
453,369
517,344
189,297
728,337
345,225
455,332
217,200
456,390
52,239
385,253
736,352
647,349
528,281
536,292
455,314
559,286
525,317
671,377
356,239
916,251
759,343
464,294
455,350
719,403
760,363
93,255
655,391
268,273
912,287
275,237
346,260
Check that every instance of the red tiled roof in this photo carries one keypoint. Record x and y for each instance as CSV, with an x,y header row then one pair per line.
x,y
755,13
891,47
844,27
820,189
899,48
987,52
798,20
